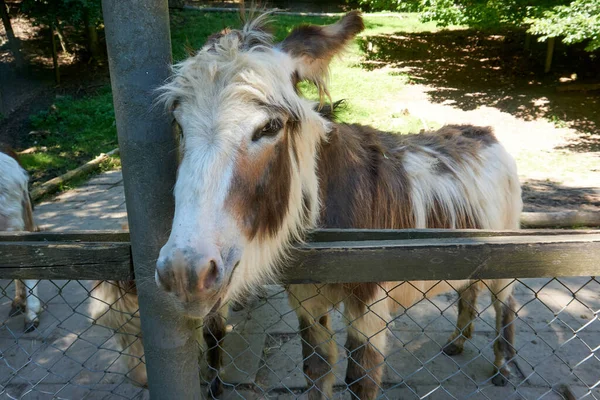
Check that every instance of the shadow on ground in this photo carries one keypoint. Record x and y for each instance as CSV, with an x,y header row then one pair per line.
x,y
469,68
548,196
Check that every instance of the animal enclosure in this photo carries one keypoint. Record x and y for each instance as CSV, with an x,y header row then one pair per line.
x,y
73,356
69,356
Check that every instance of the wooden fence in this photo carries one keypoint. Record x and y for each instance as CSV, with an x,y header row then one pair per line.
x,y
331,256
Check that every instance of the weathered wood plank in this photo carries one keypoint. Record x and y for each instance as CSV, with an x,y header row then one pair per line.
x,y
72,236
65,260
319,235
562,219
333,256
455,258
344,235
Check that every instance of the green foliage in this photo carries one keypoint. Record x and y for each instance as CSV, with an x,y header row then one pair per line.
x,y
478,13
390,5
70,17
67,12
78,130
574,22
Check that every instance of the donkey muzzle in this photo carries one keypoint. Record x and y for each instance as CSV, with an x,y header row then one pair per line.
x,y
188,274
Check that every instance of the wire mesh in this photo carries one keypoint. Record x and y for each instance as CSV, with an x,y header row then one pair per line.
x,y
73,354
68,355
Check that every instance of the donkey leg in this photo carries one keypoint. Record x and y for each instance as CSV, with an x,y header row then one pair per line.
x,y
18,304
504,346
32,319
366,345
319,350
213,331
467,312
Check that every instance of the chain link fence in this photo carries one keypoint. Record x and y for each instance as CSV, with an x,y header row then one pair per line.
x,y
71,355
68,355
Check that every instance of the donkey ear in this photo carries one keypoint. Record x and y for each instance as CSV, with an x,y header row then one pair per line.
x,y
312,47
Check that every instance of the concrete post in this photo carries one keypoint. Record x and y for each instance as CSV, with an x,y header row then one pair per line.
x,y
139,52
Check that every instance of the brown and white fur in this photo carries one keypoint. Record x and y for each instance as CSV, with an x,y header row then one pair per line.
x,y
116,306
16,214
260,167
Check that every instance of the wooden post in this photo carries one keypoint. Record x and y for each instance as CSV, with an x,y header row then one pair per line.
x,y
91,36
139,54
549,53
54,53
13,43
527,45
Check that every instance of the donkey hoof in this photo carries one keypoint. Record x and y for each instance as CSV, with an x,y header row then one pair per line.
x,y
453,349
30,326
499,379
216,388
16,309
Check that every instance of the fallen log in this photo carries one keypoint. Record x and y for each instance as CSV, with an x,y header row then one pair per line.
x,y
561,219
53,185
32,150
578,87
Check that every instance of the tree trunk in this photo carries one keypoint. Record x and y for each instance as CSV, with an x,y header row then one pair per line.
x,y
527,45
54,53
61,38
3,109
12,40
549,53
176,3
91,36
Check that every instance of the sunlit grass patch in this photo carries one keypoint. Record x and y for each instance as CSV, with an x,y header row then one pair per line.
x,y
73,131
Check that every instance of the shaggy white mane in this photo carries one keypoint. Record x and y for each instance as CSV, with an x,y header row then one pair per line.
x,y
241,62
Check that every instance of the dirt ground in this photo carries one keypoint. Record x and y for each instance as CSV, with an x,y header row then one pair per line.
x,y
467,76
458,76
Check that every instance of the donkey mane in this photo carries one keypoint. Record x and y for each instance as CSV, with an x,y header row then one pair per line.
x,y
219,54
223,51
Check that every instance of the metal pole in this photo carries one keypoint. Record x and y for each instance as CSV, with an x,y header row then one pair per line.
x,y
139,52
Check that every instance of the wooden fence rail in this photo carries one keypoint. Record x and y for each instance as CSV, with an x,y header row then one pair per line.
x,y
331,256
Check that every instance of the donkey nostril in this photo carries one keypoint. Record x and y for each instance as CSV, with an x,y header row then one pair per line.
x,y
211,275
161,282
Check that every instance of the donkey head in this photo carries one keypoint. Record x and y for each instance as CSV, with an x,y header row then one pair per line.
x,y
247,180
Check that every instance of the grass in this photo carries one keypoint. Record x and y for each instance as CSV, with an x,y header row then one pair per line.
x,y
366,92
73,131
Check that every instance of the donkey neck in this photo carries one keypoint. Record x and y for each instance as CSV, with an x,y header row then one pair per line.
x,y
361,184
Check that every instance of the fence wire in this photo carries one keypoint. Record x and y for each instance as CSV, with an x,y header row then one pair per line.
x,y
68,355
556,351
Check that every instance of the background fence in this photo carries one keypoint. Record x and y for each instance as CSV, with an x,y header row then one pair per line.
x,y
557,327
68,355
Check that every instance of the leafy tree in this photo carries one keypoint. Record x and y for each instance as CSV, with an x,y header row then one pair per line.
x,y
13,42
59,14
571,20
389,5
575,22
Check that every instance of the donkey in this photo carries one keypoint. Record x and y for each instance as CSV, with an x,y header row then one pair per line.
x,y
260,167
16,214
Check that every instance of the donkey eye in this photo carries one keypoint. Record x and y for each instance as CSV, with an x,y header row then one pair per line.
x,y
272,128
